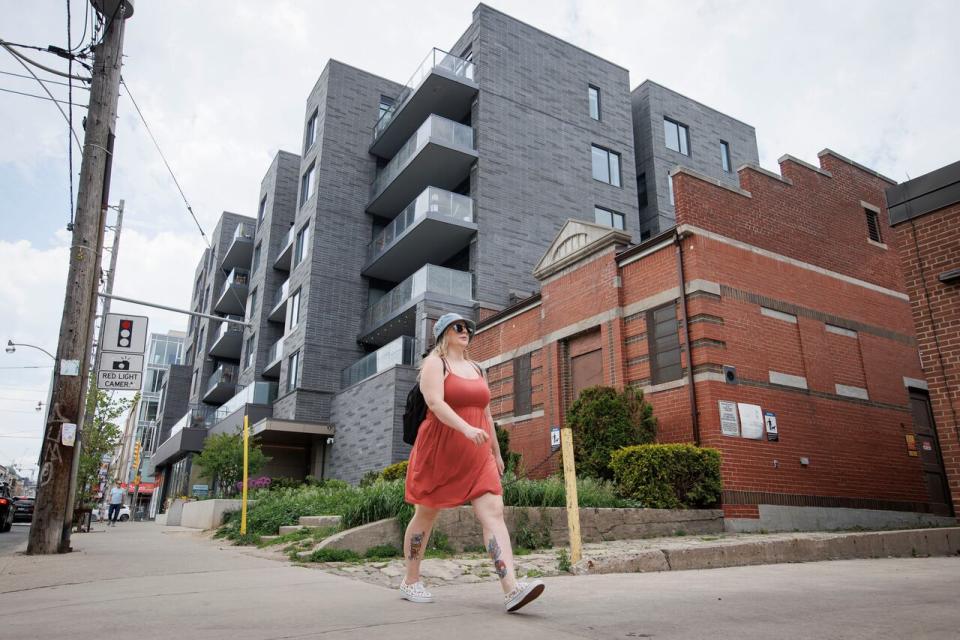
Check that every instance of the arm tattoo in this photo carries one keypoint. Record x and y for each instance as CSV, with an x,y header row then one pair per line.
x,y
499,566
416,541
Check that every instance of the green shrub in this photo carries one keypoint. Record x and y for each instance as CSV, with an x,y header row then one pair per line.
x,y
285,483
396,471
333,555
332,484
668,476
551,492
511,459
375,502
532,536
604,420
382,551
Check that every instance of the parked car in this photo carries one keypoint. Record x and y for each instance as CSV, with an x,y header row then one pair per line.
x,y
23,508
104,510
6,509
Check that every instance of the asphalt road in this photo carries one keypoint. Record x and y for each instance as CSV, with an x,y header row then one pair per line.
x,y
182,585
15,539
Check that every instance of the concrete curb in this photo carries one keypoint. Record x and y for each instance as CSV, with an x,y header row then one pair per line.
x,y
841,546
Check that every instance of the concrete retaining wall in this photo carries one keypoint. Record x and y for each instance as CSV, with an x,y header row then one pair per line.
x,y
206,514
462,530
781,518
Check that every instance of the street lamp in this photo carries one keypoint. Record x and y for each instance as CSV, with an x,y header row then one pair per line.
x,y
12,348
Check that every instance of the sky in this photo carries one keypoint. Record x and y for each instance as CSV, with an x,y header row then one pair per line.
x,y
223,85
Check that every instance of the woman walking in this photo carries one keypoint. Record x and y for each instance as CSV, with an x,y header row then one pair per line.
x,y
455,460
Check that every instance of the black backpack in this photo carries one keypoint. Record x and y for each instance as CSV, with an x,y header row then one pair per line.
x,y
415,412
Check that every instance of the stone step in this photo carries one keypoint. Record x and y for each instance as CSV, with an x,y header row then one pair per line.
x,y
268,538
293,528
320,521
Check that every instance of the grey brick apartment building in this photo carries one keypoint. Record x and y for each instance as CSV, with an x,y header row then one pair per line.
x,y
412,199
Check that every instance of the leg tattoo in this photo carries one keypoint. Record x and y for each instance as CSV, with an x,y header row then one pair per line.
x,y
416,541
499,566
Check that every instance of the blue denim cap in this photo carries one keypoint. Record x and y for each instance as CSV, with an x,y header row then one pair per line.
x,y
448,319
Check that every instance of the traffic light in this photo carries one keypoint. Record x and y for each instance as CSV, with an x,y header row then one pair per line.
x,y
136,455
125,333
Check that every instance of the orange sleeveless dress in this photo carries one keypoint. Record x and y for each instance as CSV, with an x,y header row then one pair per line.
x,y
446,469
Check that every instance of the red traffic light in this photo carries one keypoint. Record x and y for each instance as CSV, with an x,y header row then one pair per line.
x,y
126,324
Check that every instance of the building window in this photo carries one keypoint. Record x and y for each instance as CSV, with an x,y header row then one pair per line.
x,y
256,259
594,95
251,303
873,225
251,355
677,136
725,156
293,371
608,218
300,249
386,103
261,211
642,190
670,189
311,134
522,390
663,342
193,382
606,166
306,184
188,359
293,309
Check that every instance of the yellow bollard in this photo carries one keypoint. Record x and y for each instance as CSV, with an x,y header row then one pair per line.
x,y
243,499
573,506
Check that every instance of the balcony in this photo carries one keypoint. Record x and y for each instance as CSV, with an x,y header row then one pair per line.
x,y
240,251
228,340
283,260
233,296
274,359
222,385
262,393
438,154
394,314
400,351
278,312
431,229
443,84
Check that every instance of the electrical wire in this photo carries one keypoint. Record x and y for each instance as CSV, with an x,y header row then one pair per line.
x,y
47,80
164,158
7,45
86,19
33,95
55,101
70,112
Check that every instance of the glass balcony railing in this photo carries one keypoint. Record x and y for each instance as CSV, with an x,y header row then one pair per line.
x,y
196,416
224,374
436,59
276,352
228,328
453,206
429,279
243,231
254,393
400,351
434,129
281,295
239,277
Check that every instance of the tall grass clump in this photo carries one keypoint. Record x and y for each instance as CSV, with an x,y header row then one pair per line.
x,y
550,492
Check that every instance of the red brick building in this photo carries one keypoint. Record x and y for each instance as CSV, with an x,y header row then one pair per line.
x,y
925,214
779,302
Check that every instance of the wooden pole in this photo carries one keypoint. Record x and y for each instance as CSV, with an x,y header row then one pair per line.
x,y
243,499
573,505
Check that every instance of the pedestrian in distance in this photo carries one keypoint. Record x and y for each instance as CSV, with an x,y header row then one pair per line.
x,y
455,460
116,501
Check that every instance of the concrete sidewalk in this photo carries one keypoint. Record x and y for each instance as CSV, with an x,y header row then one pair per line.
x,y
148,581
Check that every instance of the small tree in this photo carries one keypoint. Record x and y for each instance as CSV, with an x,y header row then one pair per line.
x,y
604,420
222,461
101,435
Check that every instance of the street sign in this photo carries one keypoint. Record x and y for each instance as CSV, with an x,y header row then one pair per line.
x,y
770,421
113,361
125,333
119,380
554,438
729,423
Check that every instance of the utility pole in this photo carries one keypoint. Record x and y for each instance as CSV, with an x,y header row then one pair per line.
x,y
66,407
88,418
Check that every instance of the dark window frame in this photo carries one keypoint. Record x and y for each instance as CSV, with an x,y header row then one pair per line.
x,y
310,134
614,215
522,386
873,226
725,163
610,154
306,183
293,370
300,244
591,88
262,210
681,144
665,343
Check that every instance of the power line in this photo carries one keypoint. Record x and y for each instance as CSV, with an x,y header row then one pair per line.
x,y
70,111
7,45
164,158
38,366
33,95
47,80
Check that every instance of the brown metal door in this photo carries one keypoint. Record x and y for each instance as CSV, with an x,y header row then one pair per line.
x,y
929,448
586,370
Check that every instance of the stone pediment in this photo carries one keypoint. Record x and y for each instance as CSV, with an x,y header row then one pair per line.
x,y
577,240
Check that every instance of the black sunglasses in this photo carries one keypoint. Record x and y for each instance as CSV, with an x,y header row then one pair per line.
x,y
460,327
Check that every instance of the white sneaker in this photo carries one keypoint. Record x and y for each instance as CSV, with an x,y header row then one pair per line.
x,y
415,592
523,594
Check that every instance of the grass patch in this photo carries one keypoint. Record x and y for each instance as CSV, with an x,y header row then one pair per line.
x,y
382,552
534,573
563,561
332,555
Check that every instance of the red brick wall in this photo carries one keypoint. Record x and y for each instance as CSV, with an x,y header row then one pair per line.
x,y
928,246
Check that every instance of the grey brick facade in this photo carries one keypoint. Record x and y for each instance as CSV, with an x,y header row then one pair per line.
x,y
651,104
